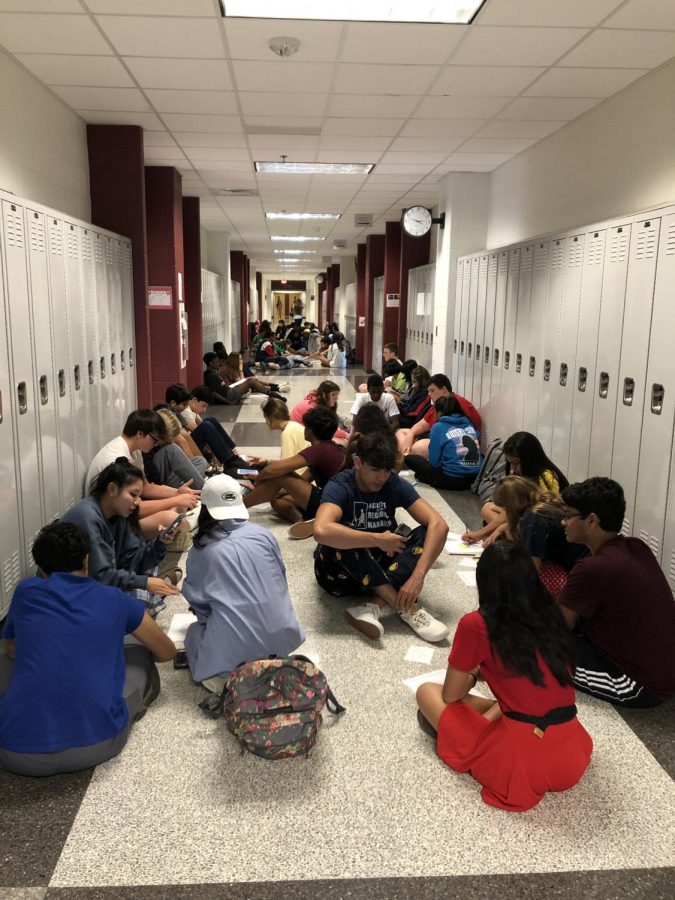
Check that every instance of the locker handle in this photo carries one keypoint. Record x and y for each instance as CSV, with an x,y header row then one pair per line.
x,y
547,370
628,391
131,357
563,374
44,390
533,366
496,357
62,383
507,359
468,350
1,415
22,397
519,362
461,348
113,364
583,378
658,394
603,389
102,367
477,352
454,346
487,356
90,371
76,378
122,364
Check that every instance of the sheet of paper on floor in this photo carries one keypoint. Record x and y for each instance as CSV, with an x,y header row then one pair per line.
x,y
468,577
179,626
435,677
419,654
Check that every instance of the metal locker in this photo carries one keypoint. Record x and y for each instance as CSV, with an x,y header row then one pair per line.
x,y
91,374
519,366
102,358
494,417
480,329
615,271
488,333
471,328
532,362
549,342
454,373
42,311
633,361
460,385
129,330
70,493
24,389
563,376
653,478
10,533
582,380
508,361
378,322
79,392
114,292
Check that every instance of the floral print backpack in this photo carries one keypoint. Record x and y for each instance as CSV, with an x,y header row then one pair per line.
x,y
274,706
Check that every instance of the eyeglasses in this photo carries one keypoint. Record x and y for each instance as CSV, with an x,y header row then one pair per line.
x,y
568,516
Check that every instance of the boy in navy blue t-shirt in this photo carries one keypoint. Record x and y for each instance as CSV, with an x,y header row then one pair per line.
x,y
359,551
74,686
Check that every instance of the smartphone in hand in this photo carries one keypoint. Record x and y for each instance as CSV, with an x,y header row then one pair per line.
x,y
404,530
176,522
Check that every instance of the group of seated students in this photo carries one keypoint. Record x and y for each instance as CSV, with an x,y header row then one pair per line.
x,y
565,601
297,345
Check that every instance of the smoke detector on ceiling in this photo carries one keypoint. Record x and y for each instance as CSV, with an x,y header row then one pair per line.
x,y
284,46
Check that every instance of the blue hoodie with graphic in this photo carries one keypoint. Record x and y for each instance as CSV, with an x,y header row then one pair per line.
x,y
454,446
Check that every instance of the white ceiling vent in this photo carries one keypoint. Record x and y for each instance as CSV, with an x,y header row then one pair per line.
x,y
339,244
282,129
363,220
238,192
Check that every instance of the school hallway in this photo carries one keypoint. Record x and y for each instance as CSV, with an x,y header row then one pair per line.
x,y
181,813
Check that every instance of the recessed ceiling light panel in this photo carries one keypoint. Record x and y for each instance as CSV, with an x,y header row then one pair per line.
x,y
297,238
458,12
294,252
302,215
312,168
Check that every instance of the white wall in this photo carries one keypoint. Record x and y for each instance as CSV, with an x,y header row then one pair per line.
x,y
43,145
616,159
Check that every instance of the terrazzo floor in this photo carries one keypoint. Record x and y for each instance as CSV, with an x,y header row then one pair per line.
x,y
372,812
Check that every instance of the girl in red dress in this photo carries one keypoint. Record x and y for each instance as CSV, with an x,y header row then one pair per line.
x,y
530,741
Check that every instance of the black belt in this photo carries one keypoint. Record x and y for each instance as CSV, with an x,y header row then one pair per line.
x,y
556,716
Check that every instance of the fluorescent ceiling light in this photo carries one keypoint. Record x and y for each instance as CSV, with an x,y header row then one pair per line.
x,y
287,215
294,252
298,238
449,11
311,168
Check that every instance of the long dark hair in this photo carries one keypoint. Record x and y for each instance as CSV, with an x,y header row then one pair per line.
x,y
370,419
533,460
323,390
205,525
521,617
120,473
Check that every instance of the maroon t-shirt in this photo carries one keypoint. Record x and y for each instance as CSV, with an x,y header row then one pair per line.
x,y
626,609
324,459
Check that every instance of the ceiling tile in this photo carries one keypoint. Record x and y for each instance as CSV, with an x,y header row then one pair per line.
x,y
93,71
158,139
280,76
335,142
244,166
28,33
441,127
459,107
421,156
153,7
546,108
623,49
496,145
585,13
346,156
178,122
170,154
429,143
457,167
352,78
201,139
136,35
284,122
42,6
362,126
196,102
657,14
280,143
370,42
347,105
247,38
563,82
509,46
267,104
199,154
485,81
503,128
128,99
405,169
147,120
180,74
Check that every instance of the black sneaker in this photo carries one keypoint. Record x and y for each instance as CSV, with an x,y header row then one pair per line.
x,y
277,395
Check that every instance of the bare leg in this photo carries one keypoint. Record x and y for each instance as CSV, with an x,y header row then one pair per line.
x,y
151,525
431,703
421,448
286,509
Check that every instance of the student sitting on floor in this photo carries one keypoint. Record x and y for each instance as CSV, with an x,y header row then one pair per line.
x,y
232,394
413,440
375,394
236,585
389,351
208,431
416,403
326,394
524,456
293,441
300,499
76,682
454,452
620,600
534,519
336,357
359,551
530,741
118,555
232,372
167,462
159,504
371,420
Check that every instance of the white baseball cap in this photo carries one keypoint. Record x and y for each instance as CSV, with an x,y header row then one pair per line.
x,y
222,496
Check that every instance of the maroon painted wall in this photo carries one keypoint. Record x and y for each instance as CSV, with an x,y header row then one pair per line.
x,y
360,301
192,285
392,280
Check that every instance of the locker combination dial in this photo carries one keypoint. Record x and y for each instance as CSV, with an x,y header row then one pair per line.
x,y
102,367
44,390
76,378
487,356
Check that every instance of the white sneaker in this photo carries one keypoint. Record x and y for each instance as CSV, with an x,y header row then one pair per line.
x,y
284,387
424,624
366,619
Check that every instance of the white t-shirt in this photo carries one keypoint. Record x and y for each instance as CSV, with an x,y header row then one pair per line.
x,y
386,403
189,417
336,357
108,454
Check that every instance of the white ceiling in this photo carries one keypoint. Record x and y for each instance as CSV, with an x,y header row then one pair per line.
x,y
417,100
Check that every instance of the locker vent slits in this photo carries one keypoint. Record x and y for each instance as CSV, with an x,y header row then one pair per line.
x,y
37,236
482,272
652,542
557,256
526,261
98,250
618,249
595,252
11,573
575,255
55,240
671,568
85,244
493,265
72,248
541,259
646,244
109,253
670,241
626,528
14,229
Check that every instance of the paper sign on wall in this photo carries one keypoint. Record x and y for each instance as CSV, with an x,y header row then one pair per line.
x,y
420,308
362,321
160,297
392,300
